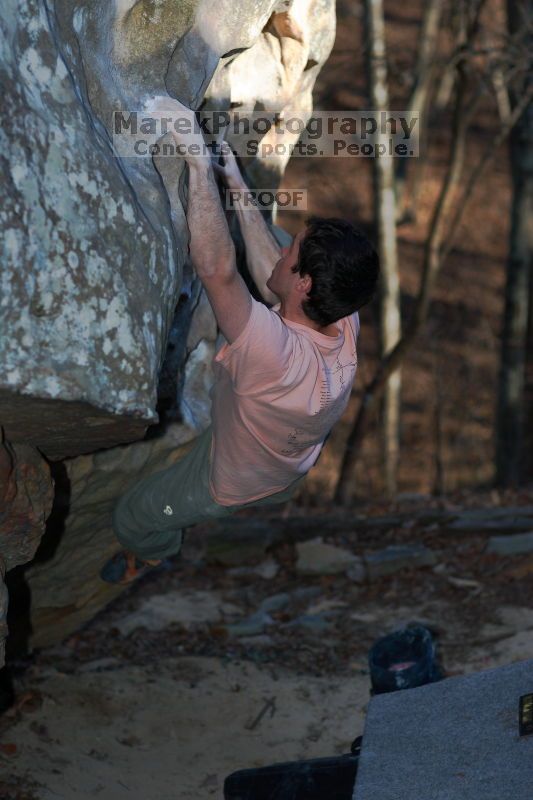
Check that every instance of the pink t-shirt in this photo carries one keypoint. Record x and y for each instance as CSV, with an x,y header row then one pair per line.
x,y
279,388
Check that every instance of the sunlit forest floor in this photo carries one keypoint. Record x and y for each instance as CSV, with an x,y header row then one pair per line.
x,y
251,647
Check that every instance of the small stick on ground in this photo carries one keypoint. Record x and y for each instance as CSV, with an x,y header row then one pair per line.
x,y
270,703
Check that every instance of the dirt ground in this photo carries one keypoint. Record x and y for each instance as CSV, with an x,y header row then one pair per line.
x,y
202,668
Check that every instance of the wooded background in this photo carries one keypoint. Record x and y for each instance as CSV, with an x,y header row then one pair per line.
x,y
443,394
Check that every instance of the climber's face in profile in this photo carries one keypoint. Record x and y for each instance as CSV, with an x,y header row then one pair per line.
x,y
283,280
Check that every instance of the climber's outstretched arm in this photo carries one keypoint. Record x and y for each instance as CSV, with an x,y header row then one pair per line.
x,y
211,247
213,253
262,248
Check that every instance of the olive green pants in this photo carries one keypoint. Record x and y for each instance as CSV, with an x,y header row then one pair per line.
x,y
149,518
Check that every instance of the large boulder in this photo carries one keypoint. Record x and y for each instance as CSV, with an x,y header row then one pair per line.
x,y
66,589
105,329
88,279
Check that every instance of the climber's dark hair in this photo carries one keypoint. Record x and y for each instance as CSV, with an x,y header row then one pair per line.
x,y
343,266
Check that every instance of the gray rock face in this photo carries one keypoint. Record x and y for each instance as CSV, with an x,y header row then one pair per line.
x,y
100,313
457,739
277,74
64,581
26,494
87,280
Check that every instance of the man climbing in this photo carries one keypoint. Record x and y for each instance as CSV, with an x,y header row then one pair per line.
x,y
282,378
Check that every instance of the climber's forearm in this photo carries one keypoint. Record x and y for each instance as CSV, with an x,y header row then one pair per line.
x,y
262,249
211,247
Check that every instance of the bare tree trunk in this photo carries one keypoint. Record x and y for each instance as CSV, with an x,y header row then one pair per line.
x,y
528,389
501,93
425,75
385,213
511,400
445,89
439,483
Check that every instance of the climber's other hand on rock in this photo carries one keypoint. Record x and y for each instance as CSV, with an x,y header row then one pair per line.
x,y
180,121
229,169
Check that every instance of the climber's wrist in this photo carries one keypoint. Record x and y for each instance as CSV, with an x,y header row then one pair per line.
x,y
200,164
236,184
